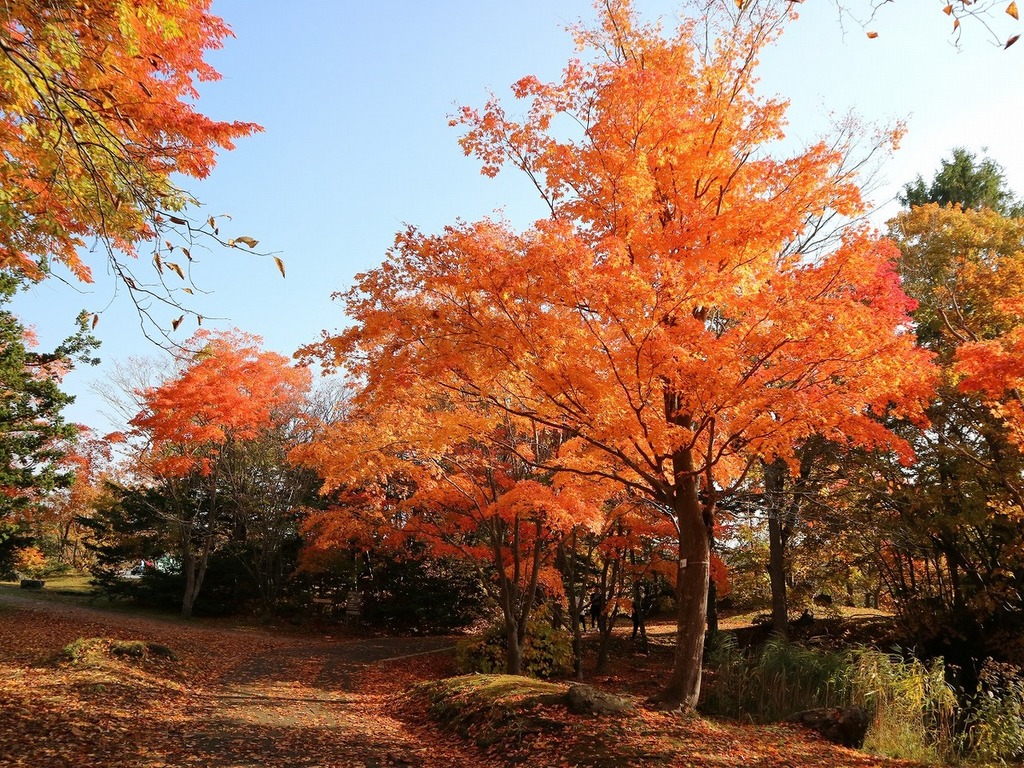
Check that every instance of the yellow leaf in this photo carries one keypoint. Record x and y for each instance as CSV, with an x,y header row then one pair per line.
x,y
178,270
159,264
1012,10
187,290
245,240
280,265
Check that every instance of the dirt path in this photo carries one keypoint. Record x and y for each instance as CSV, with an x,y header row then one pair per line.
x,y
239,698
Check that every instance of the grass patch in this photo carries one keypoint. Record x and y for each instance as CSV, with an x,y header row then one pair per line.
x,y
95,651
489,708
71,584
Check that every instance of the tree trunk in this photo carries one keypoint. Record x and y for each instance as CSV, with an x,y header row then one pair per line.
x,y
195,571
566,562
605,644
692,570
777,575
774,481
513,650
639,614
712,610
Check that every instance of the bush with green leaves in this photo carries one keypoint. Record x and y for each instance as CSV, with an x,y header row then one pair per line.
x,y
410,592
547,652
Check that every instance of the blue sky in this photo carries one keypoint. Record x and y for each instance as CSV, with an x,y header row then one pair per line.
x,y
354,98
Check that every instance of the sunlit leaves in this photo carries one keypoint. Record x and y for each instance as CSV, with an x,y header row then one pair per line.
x,y
662,321
98,119
229,389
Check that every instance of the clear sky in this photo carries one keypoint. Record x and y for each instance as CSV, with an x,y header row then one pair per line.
x,y
354,98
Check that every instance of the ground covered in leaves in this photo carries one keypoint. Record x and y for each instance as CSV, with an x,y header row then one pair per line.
x,y
82,687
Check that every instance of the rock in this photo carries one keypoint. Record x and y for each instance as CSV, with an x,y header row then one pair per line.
x,y
845,726
585,700
32,584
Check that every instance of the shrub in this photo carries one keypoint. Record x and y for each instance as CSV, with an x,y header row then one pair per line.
x,y
422,594
31,562
547,652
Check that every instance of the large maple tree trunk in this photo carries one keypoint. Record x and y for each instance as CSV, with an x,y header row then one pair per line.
x,y
774,482
777,575
692,572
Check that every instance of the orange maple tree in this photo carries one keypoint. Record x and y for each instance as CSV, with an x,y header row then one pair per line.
x,y
97,117
229,392
453,476
666,316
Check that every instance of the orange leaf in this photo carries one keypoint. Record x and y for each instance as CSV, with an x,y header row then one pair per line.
x,y
948,10
872,35
280,265
1012,10
95,320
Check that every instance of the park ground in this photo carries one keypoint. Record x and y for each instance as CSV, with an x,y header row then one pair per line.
x,y
236,696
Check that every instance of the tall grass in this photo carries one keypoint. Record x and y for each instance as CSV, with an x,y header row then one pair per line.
x,y
778,681
994,725
912,709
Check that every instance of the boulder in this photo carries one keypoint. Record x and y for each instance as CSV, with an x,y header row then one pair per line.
x,y
32,584
844,726
585,700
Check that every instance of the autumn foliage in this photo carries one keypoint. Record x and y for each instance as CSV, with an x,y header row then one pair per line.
x,y
98,117
229,394
668,320
229,391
